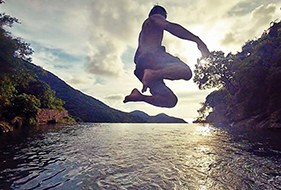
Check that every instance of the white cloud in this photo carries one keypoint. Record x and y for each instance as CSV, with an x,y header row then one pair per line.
x,y
248,26
104,59
262,16
114,26
54,24
118,97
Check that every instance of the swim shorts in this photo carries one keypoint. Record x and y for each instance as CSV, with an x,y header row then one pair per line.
x,y
155,58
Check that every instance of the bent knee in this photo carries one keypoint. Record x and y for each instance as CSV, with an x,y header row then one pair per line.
x,y
188,74
171,101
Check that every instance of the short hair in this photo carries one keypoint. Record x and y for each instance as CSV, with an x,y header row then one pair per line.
x,y
157,9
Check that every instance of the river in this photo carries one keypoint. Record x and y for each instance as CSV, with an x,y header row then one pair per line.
x,y
140,156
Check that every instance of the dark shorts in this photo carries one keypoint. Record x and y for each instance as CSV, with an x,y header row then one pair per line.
x,y
155,59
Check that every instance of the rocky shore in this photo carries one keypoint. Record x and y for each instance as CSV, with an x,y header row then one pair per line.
x,y
44,116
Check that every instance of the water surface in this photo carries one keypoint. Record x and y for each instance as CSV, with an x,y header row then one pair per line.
x,y
140,156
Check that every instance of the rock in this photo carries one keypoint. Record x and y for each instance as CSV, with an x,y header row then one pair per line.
x,y
50,116
5,127
17,121
275,119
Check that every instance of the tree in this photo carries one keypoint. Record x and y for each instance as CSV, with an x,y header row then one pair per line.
x,y
25,106
203,112
21,93
7,92
215,71
12,48
7,20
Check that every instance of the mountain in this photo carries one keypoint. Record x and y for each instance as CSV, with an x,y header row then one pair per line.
x,y
160,118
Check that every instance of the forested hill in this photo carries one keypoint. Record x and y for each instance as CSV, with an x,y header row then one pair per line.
x,y
249,83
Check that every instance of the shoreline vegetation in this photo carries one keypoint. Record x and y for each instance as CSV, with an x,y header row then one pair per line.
x,y
248,84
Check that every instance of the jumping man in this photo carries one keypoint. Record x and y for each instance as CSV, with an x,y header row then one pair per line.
x,y
154,64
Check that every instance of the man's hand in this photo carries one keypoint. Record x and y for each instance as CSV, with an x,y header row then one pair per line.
x,y
203,48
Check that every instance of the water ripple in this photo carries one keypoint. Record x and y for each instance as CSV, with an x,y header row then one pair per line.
x,y
139,156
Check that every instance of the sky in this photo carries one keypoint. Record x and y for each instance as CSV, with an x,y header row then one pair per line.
x,y
90,44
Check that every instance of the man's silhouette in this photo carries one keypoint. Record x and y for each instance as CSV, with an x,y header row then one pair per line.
x,y
154,64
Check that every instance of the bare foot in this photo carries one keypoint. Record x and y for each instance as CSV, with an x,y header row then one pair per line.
x,y
147,78
134,96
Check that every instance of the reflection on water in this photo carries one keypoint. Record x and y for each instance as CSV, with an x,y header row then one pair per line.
x,y
140,156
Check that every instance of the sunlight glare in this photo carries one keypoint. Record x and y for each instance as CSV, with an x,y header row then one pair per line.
x,y
205,130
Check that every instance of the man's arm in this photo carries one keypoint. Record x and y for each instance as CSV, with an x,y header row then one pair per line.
x,y
181,32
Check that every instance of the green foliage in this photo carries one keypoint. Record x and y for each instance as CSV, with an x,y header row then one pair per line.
x,y
217,97
7,91
7,51
42,91
25,105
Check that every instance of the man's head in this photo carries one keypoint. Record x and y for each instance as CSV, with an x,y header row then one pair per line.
x,y
158,10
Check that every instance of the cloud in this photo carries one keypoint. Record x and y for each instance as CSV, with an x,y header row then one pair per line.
x,y
262,15
78,80
114,97
115,100
104,59
210,11
53,24
228,39
114,26
248,26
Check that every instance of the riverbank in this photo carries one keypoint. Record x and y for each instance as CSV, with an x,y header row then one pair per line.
x,y
44,116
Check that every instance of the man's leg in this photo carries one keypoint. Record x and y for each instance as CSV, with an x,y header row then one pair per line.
x,y
173,72
162,96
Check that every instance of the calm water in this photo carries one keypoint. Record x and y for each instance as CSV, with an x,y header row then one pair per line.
x,y
140,156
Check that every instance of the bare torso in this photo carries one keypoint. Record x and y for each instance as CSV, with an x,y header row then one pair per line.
x,y
151,35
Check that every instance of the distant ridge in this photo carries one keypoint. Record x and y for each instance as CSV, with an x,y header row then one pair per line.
x,y
88,109
160,118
